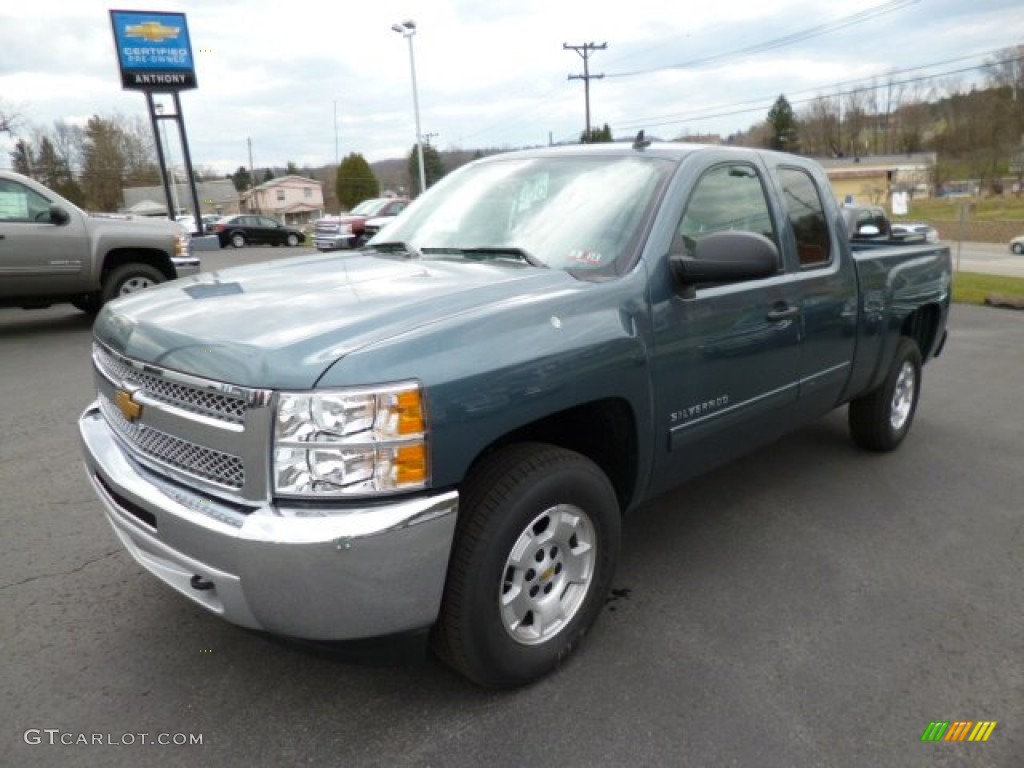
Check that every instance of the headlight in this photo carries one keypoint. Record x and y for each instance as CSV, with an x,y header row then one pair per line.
x,y
350,441
345,230
183,245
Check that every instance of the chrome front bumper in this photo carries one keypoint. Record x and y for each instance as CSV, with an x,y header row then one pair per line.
x,y
186,266
333,242
320,574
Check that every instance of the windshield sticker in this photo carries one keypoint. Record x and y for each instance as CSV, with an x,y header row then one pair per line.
x,y
13,205
590,258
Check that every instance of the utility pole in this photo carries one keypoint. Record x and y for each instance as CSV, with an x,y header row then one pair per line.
x,y
252,181
584,52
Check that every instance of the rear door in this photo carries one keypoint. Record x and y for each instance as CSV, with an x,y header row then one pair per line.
x,y
826,284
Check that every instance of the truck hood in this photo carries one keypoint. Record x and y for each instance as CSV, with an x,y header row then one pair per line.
x,y
283,323
156,226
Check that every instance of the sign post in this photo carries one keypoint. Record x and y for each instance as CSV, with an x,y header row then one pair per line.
x,y
154,54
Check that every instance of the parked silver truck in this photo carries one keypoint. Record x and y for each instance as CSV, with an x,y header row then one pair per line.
x,y
53,252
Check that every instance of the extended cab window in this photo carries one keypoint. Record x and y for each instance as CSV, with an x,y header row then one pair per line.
x,y
806,216
729,197
19,203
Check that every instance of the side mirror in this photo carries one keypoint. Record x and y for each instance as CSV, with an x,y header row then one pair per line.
x,y
868,230
724,257
58,215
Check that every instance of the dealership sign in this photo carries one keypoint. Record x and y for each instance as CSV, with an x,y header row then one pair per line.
x,y
153,50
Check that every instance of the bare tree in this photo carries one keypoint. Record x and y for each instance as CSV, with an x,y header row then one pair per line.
x,y
855,121
10,119
819,128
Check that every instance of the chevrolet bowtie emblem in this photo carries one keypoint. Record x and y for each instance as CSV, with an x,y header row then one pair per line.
x,y
152,31
128,407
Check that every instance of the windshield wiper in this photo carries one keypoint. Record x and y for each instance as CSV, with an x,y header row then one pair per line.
x,y
397,246
492,250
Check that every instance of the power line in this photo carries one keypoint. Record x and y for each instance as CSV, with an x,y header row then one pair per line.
x,y
781,42
685,118
760,100
816,31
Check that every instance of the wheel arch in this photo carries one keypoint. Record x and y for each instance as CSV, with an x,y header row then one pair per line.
x,y
605,431
153,257
922,326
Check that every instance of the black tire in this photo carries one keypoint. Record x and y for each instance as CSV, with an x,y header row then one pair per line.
x,y
129,278
491,628
1017,248
237,240
293,240
881,419
91,303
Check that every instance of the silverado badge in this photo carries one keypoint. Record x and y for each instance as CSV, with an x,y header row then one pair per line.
x,y
128,407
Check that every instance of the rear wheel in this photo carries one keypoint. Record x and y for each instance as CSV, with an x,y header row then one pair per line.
x,y
535,551
238,240
293,240
130,278
881,419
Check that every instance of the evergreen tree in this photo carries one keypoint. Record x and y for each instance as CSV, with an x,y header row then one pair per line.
x,y
597,135
241,179
433,168
53,171
103,164
355,181
21,157
783,129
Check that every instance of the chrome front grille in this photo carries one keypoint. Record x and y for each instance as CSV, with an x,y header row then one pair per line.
x,y
189,398
215,466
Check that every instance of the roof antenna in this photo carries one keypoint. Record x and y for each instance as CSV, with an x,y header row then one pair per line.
x,y
640,142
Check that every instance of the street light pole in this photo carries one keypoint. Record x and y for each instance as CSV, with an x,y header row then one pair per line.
x,y
407,29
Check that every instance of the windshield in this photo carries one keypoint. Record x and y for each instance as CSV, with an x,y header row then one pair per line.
x,y
369,207
575,213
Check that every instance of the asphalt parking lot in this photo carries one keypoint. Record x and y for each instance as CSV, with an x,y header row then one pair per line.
x,y
808,605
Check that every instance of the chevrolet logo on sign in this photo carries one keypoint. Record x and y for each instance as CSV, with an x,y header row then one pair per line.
x,y
125,403
153,31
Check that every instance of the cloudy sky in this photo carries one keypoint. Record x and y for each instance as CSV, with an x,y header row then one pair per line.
x,y
491,73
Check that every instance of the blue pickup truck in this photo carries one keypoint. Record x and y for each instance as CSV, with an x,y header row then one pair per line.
x,y
443,430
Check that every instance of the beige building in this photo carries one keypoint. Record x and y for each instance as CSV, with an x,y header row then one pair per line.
x,y
872,180
217,196
295,200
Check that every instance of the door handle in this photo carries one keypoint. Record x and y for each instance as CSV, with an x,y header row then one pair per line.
x,y
783,313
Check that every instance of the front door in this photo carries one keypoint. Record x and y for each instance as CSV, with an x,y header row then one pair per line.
x,y
38,257
726,358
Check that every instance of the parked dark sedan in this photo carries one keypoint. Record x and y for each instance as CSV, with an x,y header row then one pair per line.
x,y
246,229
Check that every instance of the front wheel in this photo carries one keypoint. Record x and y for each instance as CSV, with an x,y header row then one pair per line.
x,y
293,240
535,551
881,419
1017,248
130,278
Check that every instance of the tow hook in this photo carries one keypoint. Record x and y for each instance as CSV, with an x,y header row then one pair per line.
x,y
198,582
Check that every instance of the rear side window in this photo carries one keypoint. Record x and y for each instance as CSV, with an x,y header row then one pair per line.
x,y
806,216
